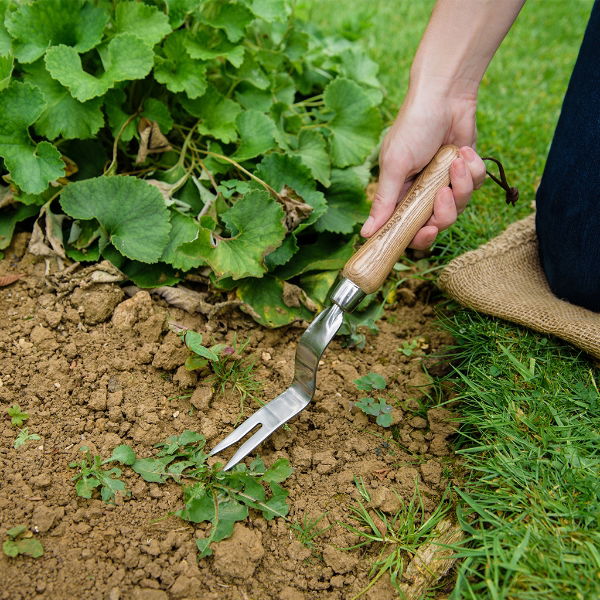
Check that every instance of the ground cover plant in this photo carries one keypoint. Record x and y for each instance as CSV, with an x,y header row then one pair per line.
x,y
166,137
210,494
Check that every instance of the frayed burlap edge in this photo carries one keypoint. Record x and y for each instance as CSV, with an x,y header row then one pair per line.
x,y
504,278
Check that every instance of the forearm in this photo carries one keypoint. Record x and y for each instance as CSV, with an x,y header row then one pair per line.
x,y
458,44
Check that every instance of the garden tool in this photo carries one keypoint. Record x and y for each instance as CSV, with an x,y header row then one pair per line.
x,y
363,274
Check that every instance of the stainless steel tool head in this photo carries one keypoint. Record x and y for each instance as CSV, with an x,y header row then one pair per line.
x,y
311,346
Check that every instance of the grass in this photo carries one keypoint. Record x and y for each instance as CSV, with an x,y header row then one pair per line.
x,y
529,404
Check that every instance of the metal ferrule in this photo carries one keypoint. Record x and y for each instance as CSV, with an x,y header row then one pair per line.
x,y
347,295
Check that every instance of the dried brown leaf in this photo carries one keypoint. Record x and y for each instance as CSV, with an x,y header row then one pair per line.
x,y
294,296
296,210
8,279
152,140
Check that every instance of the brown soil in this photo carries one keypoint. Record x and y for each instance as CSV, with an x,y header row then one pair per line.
x,y
94,368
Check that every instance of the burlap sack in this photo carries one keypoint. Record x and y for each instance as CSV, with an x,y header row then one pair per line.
x,y
504,278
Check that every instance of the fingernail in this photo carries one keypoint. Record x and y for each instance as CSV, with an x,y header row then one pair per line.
x,y
366,228
460,168
469,154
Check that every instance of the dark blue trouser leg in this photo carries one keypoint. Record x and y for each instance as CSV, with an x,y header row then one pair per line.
x,y
568,199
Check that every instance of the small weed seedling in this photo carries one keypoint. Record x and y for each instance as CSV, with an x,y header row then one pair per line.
x,y
210,494
408,347
24,436
398,536
21,541
307,531
378,408
92,475
17,417
228,367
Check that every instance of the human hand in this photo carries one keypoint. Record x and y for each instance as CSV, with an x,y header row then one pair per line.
x,y
422,126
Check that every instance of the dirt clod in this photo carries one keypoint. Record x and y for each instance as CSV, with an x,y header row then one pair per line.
x,y
238,556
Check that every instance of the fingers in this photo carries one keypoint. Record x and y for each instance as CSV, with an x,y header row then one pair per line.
x,y
424,238
475,166
384,203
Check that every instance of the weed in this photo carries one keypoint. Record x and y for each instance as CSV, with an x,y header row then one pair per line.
x,y
91,476
408,347
397,537
24,436
378,408
307,531
210,494
17,417
21,541
229,368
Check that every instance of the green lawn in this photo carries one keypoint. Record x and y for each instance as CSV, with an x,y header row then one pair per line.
x,y
529,405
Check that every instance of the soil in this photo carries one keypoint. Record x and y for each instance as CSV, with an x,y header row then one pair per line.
x,y
94,367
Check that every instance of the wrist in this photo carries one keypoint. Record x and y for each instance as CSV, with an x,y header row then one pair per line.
x,y
431,87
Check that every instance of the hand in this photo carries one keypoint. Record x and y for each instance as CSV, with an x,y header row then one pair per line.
x,y
422,126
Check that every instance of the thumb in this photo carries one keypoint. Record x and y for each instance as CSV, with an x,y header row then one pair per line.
x,y
389,188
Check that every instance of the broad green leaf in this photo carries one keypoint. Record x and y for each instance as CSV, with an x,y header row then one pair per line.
x,y
9,217
346,202
147,22
16,531
138,227
356,124
207,43
255,224
158,111
279,170
6,69
149,276
370,382
85,486
217,114
32,166
114,102
283,254
318,285
328,253
231,17
384,420
183,229
263,301
198,509
5,39
63,116
178,10
110,485
257,134
270,10
17,416
193,341
126,58
154,470
178,70
31,547
251,72
277,505
312,150
357,65
39,25
250,97
123,454
278,471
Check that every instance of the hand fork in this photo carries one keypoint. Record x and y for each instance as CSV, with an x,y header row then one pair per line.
x,y
363,274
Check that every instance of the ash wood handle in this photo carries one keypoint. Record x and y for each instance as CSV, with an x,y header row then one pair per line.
x,y
373,261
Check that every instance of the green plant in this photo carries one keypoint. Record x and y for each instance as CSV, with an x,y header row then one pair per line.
x,y
24,436
164,137
229,368
378,408
21,541
408,347
209,493
17,417
92,476
307,531
397,537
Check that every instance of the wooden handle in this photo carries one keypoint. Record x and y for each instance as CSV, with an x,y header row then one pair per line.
x,y
373,261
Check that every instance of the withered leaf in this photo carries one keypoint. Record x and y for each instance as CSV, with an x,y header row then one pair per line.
x,y
8,279
296,210
152,140
294,296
